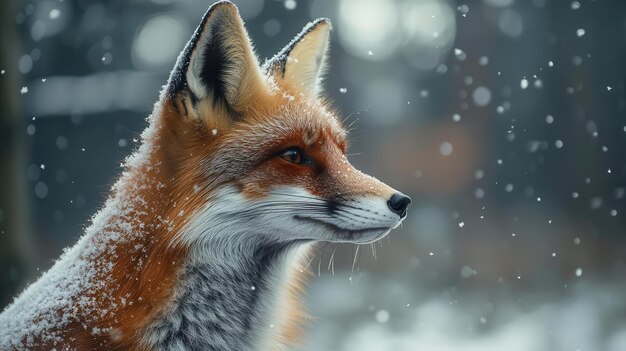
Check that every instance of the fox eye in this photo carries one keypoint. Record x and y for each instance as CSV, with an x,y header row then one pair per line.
x,y
295,155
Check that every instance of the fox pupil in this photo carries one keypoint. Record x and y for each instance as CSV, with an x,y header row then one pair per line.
x,y
293,155
297,156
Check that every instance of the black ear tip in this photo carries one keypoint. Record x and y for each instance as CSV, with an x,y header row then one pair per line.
x,y
322,21
278,62
225,5
177,80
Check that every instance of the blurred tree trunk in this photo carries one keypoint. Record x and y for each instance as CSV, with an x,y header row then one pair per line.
x,y
16,245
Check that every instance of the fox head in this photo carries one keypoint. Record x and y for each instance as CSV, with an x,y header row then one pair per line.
x,y
255,153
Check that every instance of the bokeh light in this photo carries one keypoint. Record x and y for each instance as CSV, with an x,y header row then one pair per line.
x,y
148,49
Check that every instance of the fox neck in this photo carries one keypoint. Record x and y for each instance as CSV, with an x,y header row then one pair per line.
x,y
233,293
233,305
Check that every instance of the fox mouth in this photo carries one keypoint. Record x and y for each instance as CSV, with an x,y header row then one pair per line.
x,y
360,236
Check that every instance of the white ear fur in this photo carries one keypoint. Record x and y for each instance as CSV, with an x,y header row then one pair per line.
x,y
220,61
302,62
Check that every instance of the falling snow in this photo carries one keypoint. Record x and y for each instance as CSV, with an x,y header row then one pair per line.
x,y
505,134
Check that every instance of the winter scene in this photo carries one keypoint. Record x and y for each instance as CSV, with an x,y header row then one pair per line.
x,y
320,175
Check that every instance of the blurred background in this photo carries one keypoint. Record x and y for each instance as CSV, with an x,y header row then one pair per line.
x,y
505,120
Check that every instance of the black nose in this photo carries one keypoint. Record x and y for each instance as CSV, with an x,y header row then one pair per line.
x,y
398,203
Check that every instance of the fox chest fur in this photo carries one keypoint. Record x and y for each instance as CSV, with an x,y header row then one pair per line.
x,y
228,307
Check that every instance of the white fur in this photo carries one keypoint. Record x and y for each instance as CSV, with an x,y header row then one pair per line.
x,y
248,324
276,299
231,219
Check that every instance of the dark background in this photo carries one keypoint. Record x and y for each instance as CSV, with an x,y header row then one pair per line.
x,y
504,120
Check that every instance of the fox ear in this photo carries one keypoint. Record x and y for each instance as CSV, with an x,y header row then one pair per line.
x,y
300,65
218,64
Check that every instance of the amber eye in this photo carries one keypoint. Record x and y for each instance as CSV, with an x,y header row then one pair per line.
x,y
295,155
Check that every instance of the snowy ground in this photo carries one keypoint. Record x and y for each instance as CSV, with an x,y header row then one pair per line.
x,y
586,317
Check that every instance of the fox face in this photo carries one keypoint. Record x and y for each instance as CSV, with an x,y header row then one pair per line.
x,y
266,153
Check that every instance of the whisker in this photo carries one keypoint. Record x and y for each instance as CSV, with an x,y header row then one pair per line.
x,y
356,253
315,255
321,202
374,251
319,265
290,206
324,201
332,261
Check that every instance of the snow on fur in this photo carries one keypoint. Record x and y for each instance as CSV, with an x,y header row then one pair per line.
x,y
64,294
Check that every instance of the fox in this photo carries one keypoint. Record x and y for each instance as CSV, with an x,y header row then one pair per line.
x,y
202,241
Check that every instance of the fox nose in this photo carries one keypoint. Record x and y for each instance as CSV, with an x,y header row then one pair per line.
x,y
398,203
